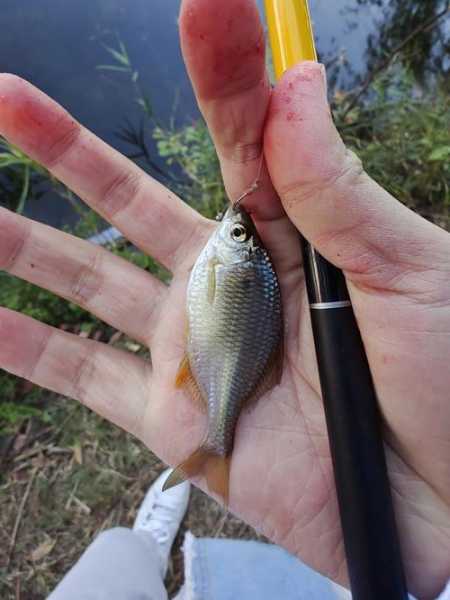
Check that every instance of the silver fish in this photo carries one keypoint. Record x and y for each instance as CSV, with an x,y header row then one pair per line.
x,y
235,339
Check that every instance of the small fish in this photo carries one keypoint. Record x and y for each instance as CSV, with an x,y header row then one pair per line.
x,y
235,340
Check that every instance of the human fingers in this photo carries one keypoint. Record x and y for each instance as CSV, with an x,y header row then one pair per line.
x,y
113,289
113,383
345,214
145,211
223,46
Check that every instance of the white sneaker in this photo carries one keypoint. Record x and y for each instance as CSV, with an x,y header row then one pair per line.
x,y
161,513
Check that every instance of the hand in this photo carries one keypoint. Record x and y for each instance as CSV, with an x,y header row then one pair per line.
x,y
397,266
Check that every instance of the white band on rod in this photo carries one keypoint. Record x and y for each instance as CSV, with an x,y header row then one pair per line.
x,y
326,305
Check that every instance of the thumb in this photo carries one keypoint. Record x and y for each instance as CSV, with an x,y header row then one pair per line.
x,y
345,214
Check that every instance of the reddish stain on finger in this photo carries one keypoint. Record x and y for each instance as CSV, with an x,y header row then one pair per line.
x,y
304,77
293,116
260,48
232,55
33,121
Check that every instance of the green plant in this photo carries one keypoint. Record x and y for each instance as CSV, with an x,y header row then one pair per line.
x,y
22,179
190,149
122,64
13,414
401,135
16,173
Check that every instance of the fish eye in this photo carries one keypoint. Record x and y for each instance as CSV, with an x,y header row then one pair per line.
x,y
239,233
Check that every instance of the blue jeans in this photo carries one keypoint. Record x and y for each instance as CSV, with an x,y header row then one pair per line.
x,y
123,565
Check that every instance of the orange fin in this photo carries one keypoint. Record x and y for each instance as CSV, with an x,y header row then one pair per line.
x,y
271,376
186,380
215,469
184,372
217,474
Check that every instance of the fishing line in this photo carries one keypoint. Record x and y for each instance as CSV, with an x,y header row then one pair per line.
x,y
252,189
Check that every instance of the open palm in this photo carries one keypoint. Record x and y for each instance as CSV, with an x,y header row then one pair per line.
x,y
397,266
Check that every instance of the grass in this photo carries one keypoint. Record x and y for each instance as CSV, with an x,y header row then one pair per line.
x,y
402,138
80,476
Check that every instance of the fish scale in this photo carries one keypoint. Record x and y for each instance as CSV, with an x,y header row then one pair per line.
x,y
234,332
239,319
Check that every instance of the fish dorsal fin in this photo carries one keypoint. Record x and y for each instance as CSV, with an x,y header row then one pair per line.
x,y
271,376
185,379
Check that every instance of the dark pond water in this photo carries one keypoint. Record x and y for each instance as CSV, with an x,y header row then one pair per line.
x,y
58,46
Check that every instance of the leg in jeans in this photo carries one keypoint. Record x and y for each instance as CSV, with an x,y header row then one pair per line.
x,y
230,569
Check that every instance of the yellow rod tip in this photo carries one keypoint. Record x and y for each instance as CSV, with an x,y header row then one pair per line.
x,y
290,33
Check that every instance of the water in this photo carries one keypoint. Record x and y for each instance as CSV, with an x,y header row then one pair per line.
x,y
59,45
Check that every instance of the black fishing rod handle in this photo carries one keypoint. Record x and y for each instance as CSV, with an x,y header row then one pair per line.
x,y
355,436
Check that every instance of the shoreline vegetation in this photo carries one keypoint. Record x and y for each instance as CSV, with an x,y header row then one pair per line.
x,y
65,474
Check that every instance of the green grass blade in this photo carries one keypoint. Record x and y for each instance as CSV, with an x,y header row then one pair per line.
x,y
25,190
120,56
112,68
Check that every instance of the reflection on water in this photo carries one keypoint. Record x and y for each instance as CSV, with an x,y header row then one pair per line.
x,y
58,46
428,50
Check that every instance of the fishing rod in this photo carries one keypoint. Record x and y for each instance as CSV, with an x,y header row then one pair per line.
x,y
353,419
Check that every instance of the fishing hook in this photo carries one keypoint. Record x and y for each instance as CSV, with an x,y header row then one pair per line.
x,y
255,185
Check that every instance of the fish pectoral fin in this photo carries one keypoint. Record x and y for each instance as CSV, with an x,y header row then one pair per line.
x,y
215,468
184,372
271,376
185,379
212,264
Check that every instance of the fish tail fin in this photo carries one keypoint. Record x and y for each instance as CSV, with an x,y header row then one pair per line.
x,y
215,468
217,474
191,467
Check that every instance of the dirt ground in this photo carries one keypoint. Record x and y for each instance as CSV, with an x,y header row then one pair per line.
x,y
64,482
